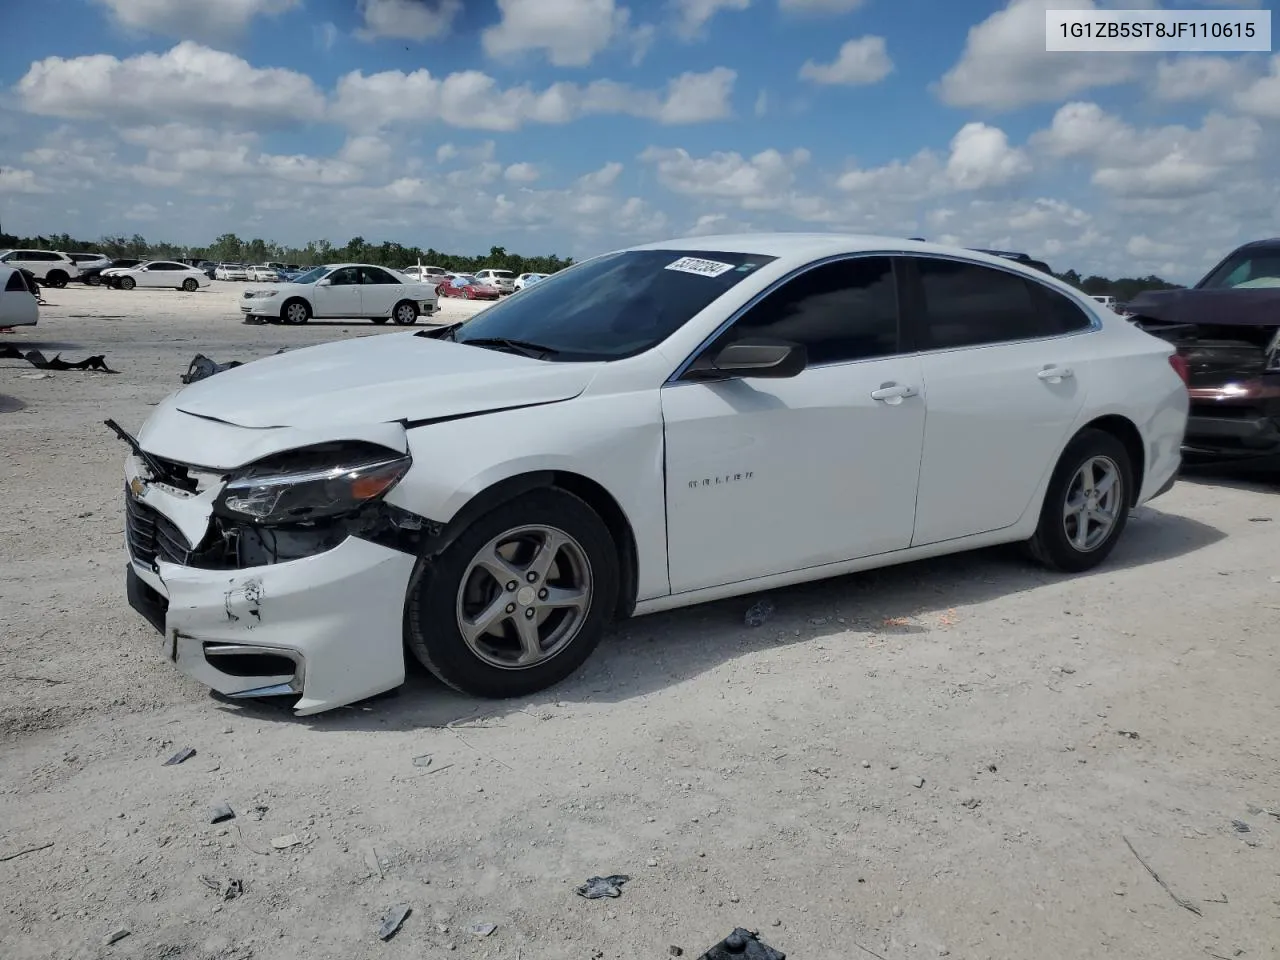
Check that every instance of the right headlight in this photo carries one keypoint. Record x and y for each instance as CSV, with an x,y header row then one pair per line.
x,y
312,483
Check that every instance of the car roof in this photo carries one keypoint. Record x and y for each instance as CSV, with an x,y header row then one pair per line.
x,y
1273,243
802,247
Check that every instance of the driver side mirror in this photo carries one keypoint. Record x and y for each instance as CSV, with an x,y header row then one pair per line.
x,y
752,357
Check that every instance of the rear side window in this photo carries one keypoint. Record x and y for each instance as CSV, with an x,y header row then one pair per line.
x,y
969,304
841,311
374,275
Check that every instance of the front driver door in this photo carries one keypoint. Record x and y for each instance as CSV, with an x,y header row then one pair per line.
x,y
766,476
340,297
151,275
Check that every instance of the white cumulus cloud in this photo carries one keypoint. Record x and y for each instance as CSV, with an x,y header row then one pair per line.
x,y
216,21
861,61
407,19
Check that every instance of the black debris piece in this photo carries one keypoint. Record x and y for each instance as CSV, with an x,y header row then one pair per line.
x,y
38,360
742,945
1240,826
182,756
392,921
758,613
220,813
1129,734
202,367
597,887
675,951
226,889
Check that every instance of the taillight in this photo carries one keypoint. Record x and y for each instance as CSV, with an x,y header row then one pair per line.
x,y
1181,367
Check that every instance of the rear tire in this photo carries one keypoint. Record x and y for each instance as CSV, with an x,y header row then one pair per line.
x,y
93,281
456,587
127,283
405,313
191,285
57,278
295,312
1086,505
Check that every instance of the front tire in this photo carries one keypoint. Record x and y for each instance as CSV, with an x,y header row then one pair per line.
x,y
127,283
1086,505
295,312
519,600
93,281
405,313
57,278
191,285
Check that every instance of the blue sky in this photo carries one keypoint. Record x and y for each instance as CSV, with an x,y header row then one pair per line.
x,y
574,126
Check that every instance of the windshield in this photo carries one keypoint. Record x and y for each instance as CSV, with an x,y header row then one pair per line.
x,y
616,305
1245,271
312,275
462,281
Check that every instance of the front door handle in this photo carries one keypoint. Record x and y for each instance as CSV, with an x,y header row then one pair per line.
x,y
893,392
1056,374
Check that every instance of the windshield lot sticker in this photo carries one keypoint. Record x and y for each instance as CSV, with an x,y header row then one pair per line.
x,y
703,268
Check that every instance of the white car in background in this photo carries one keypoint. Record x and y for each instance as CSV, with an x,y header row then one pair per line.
x,y
432,275
504,281
51,267
19,305
157,273
525,279
344,291
86,261
262,273
648,429
231,271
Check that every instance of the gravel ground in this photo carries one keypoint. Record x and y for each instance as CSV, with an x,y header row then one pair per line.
x,y
941,759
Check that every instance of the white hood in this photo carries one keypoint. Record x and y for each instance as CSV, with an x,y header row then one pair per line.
x,y
378,379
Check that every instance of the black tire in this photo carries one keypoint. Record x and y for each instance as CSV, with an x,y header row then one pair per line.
x,y
93,281
127,283
191,284
432,630
379,320
57,278
405,313
1051,544
289,314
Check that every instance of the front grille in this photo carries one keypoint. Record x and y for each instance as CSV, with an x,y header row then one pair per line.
x,y
151,536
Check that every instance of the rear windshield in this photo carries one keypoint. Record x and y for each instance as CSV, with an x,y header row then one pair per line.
x,y
614,306
1244,271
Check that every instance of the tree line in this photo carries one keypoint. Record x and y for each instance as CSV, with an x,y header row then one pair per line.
x,y
231,248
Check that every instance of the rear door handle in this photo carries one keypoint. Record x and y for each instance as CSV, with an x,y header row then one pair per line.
x,y
1055,373
893,392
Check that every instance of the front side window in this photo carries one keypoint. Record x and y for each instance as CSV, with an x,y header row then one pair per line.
x,y
971,304
840,311
617,305
346,277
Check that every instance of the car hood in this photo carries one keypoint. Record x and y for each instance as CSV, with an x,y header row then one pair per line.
x,y
1257,307
377,379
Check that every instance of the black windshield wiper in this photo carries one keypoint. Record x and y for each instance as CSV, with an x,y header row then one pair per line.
x,y
534,350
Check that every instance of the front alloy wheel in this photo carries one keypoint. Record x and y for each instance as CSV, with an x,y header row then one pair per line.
x,y
296,312
519,600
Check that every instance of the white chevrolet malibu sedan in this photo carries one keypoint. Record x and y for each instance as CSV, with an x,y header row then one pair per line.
x,y
343,291
651,428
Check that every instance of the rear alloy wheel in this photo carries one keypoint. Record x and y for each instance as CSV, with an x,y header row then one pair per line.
x,y
405,313
191,285
519,600
1086,506
295,312
56,278
127,283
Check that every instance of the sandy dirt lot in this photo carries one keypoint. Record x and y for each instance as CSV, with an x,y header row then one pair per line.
x,y
943,759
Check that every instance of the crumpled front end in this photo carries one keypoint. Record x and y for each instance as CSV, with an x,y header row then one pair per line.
x,y
309,609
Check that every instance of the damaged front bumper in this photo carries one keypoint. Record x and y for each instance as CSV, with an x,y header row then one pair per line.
x,y
323,622
1236,421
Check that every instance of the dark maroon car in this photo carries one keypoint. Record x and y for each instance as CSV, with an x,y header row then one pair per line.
x,y
1227,329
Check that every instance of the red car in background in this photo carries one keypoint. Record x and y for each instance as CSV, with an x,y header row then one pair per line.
x,y
467,287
